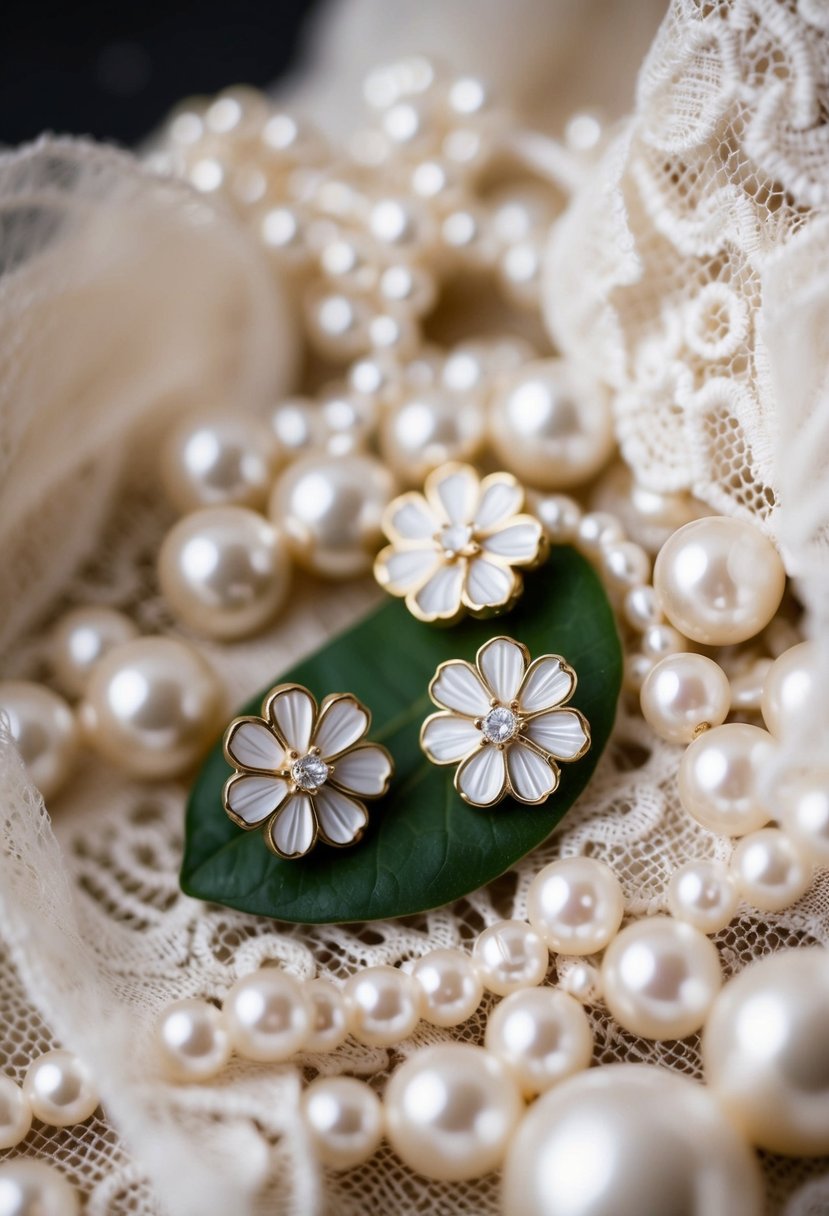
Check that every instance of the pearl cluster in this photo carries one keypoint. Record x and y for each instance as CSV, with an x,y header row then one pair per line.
x,y
57,1089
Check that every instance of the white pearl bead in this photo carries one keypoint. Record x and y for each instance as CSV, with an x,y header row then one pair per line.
x,y
266,1016
629,1140
542,1036
327,1016
44,730
804,813
788,688
658,641
510,955
15,1113
660,977
625,564
299,426
81,638
576,905
765,1050
704,894
720,580
452,987
384,1005
770,871
636,669
718,778
429,429
451,1110
683,694
560,517
152,707
747,685
35,1188
336,323
192,1040
580,979
59,1089
642,608
596,531
219,459
545,432
345,1119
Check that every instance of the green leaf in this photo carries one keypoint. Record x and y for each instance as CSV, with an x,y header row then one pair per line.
x,y
424,846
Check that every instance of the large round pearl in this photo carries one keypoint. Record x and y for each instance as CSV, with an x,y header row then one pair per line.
x,y
428,430
629,1140
704,894
451,1110
384,1005
35,1188
331,509
683,694
224,571
327,1016
192,1040
60,1089
804,813
44,730
152,707
267,1016
81,638
542,1035
788,687
770,871
219,459
720,580
452,986
15,1113
345,1119
718,778
576,905
545,431
510,955
765,1050
660,977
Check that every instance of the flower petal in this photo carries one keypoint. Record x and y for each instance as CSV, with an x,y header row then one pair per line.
x,y
548,682
452,491
457,685
410,517
501,497
251,744
293,830
502,662
341,819
250,799
517,543
531,777
292,710
364,770
446,738
440,597
482,778
400,571
342,722
488,585
562,733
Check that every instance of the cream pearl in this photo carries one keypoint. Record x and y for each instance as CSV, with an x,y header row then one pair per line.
x,y
542,1036
44,730
60,1089
153,706
15,1113
804,814
345,1120
576,905
683,695
452,986
221,458
82,637
642,608
765,1051
789,686
635,669
35,1188
510,955
331,509
547,432
560,517
266,1016
629,1140
580,979
192,1040
384,1005
660,977
720,580
225,572
299,426
625,565
597,530
718,778
658,641
704,894
336,323
327,1016
770,871
429,429
451,1110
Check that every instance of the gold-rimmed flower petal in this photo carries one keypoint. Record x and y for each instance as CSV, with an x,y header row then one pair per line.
x,y
501,496
342,819
561,733
457,685
439,599
489,586
502,663
342,722
400,570
251,744
446,738
410,518
482,777
452,492
292,832
549,682
520,542
532,778
365,770
250,798
292,710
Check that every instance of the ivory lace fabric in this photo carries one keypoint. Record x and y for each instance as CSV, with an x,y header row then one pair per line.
x,y
692,269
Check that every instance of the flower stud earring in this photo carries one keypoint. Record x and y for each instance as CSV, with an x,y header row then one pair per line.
x,y
503,722
303,773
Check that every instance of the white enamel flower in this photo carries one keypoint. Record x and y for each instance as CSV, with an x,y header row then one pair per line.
x,y
455,547
304,773
503,722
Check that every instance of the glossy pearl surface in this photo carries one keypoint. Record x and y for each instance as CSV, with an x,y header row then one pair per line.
x,y
452,986
81,638
15,1113
542,1035
59,1089
580,979
35,1188
266,1016
560,516
345,1119
192,1040
44,730
384,1005
660,977
219,459
327,1016
788,688
720,580
704,894
429,429
451,1110
770,871
765,1050
804,814
576,905
683,693
718,778
510,955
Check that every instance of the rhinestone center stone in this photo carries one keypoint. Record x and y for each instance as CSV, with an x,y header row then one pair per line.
x,y
499,725
309,772
454,539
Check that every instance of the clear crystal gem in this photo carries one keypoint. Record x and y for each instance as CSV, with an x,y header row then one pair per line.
x,y
499,725
454,538
309,772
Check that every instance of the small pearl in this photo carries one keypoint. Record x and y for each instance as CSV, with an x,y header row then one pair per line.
x,y
596,531
661,640
218,459
409,286
660,977
718,778
720,580
266,1016
560,517
349,261
625,564
747,685
60,1090
642,608
349,420
192,1040
451,1110
804,814
398,223
345,1119
682,694
384,1005
636,669
770,871
428,430
704,894
520,268
789,686
376,377
541,1035
518,213
581,980
15,1113
35,1188
510,955
451,986
576,905
299,426
82,637
44,730
336,323
328,1016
